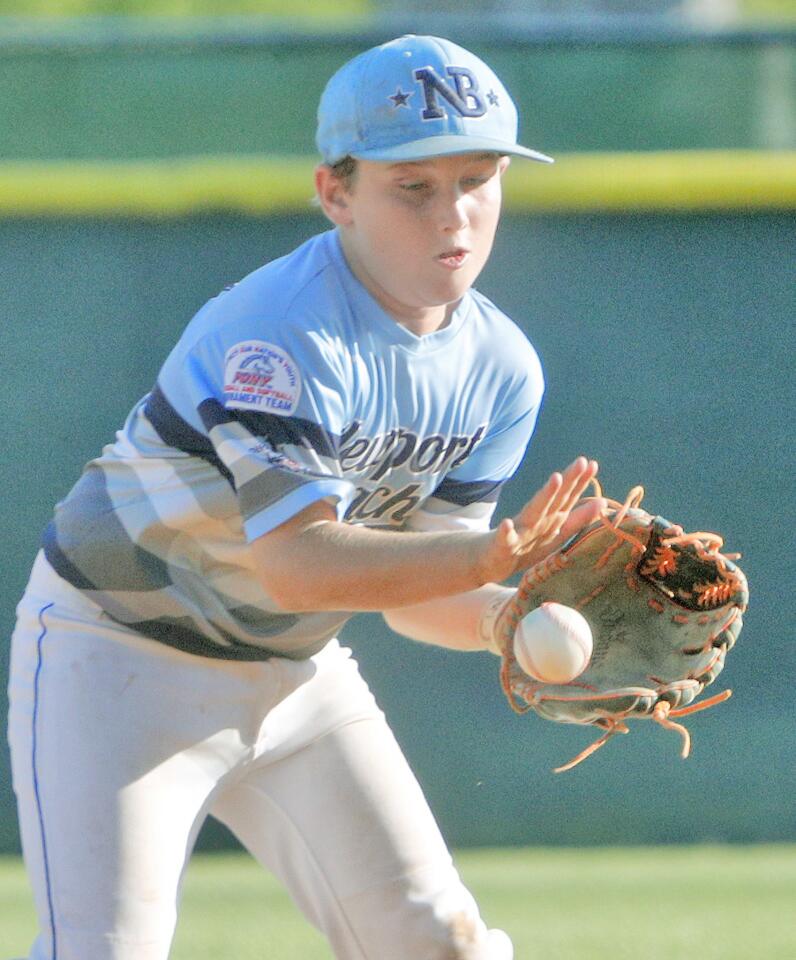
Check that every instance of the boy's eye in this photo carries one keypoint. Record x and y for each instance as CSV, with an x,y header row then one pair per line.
x,y
414,186
475,181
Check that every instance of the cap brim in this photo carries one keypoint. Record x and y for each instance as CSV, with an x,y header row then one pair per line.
x,y
447,146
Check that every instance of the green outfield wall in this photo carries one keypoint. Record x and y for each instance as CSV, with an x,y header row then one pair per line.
x,y
108,92
667,345
652,267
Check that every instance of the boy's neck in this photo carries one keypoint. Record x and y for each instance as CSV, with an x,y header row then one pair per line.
x,y
418,320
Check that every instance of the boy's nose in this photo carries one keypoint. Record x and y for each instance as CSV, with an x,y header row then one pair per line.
x,y
454,215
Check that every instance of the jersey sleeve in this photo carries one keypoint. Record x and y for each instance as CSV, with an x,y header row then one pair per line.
x,y
267,411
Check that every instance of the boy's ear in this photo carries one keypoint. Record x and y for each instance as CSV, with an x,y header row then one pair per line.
x,y
332,196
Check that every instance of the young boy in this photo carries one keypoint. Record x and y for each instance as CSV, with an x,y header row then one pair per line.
x,y
328,436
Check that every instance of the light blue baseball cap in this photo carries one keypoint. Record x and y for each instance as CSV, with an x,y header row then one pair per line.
x,y
415,98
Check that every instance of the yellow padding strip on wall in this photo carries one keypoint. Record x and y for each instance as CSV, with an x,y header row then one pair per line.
x,y
577,182
157,188
678,181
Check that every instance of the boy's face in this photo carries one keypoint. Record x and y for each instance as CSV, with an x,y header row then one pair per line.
x,y
418,234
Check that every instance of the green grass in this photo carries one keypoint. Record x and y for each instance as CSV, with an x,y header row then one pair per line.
x,y
659,903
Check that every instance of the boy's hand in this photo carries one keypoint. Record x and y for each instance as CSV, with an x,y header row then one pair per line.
x,y
544,523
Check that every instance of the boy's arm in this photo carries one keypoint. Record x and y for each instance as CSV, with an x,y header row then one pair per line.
x,y
313,562
465,621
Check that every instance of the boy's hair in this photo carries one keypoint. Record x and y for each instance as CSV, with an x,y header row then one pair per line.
x,y
345,170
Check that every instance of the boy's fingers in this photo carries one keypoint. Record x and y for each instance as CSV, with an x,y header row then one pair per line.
x,y
579,475
561,492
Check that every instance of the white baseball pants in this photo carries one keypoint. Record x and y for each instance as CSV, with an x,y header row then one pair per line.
x,y
121,747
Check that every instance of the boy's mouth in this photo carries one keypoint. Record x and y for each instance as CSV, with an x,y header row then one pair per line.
x,y
453,258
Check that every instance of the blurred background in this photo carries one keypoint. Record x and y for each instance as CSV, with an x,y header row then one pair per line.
x,y
151,152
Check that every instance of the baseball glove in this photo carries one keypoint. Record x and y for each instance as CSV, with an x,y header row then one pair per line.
x,y
664,608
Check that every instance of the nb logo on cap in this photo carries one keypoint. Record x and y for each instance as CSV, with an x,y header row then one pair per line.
x,y
463,96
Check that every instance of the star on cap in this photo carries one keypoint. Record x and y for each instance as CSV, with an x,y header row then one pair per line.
x,y
399,98
492,97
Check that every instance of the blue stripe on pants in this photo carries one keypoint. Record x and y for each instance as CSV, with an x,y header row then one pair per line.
x,y
36,775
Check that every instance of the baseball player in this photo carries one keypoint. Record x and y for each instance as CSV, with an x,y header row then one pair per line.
x,y
329,435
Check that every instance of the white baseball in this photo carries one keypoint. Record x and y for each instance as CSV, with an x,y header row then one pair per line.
x,y
553,643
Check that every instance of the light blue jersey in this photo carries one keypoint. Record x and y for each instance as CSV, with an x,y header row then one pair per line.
x,y
292,386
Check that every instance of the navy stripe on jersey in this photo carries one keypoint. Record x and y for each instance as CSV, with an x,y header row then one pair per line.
x,y
463,493
59,561
268,488
278,431
123,565
178,433
181,633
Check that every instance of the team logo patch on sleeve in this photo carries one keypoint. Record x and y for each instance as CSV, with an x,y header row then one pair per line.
x,y
260,376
